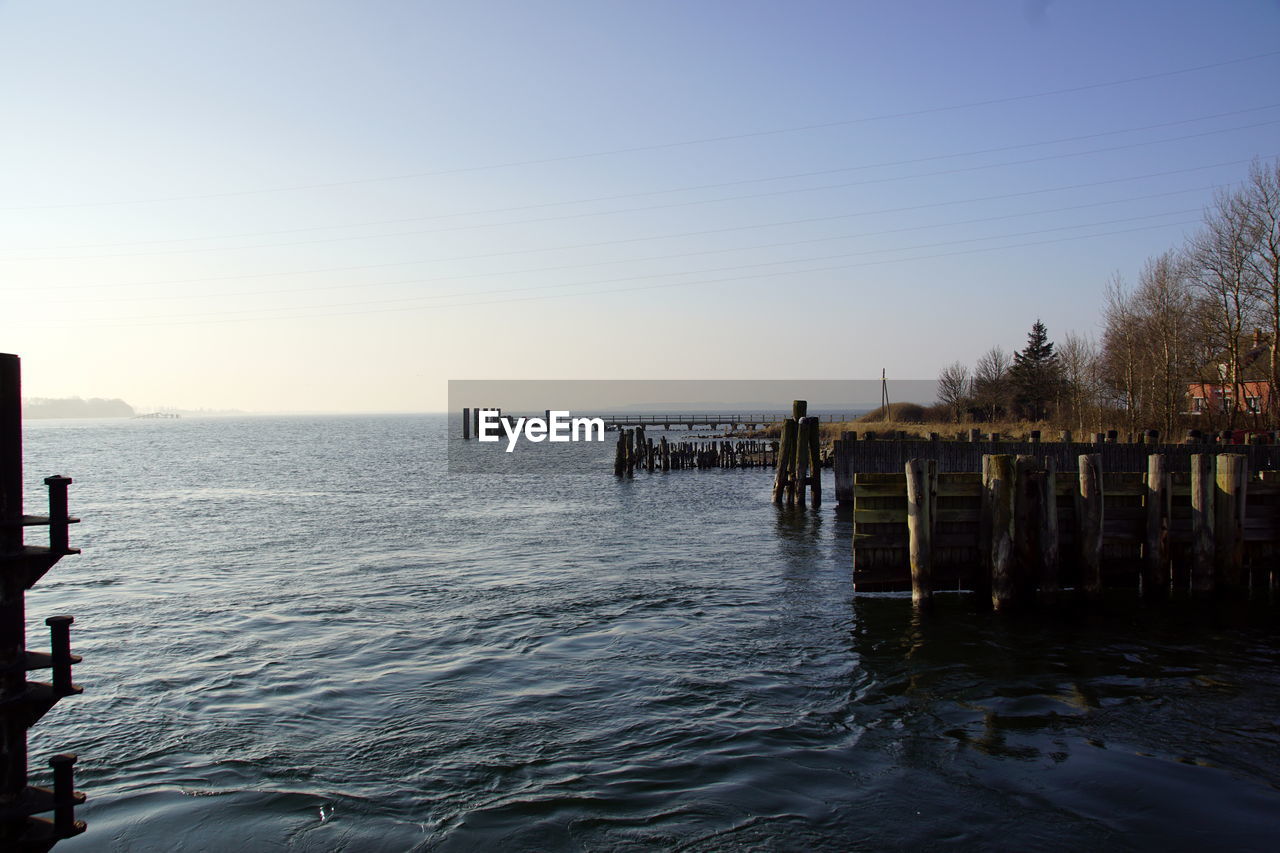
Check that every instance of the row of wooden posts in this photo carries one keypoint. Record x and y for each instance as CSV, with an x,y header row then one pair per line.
x,y
1019,543
633,450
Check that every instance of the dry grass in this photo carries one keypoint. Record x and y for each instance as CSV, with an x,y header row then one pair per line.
x,y
948,430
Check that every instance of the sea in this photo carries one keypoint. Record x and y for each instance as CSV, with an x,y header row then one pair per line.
x,y
316,634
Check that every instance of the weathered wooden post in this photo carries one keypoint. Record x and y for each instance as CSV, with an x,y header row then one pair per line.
x,y
466,424
664,450
1202,526
1155,574
804,428
999,493
1089,524
1228,513
922,491
620,454
651,456
975,435
785,460
1026,526
799,408
814,450
640,447
1048,534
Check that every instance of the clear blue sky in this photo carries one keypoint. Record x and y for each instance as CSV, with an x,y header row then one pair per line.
x,y
340,206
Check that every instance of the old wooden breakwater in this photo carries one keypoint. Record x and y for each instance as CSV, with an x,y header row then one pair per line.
x,y
867,453
635,450
24,702
1022,529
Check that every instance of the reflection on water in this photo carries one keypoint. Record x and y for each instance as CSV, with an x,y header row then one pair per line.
x,y
303,633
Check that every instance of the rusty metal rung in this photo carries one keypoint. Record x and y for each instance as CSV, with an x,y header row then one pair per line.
x,y
37,521
44,660
34,800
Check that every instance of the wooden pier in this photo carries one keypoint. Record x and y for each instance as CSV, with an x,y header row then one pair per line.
x,y
687,421
1022,528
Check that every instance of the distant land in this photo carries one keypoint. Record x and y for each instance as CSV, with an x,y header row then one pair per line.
x,y
37,408
75,407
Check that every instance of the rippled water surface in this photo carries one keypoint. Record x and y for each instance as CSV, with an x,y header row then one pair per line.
x,y
305,634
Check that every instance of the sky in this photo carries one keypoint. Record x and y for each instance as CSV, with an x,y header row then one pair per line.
x,y
325,206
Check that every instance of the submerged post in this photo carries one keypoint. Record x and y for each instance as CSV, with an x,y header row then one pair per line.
x,y
922,490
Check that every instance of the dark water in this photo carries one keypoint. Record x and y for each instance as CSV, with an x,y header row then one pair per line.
x,y
304,634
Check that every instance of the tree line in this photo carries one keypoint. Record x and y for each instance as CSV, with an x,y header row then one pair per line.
x,y
1191,343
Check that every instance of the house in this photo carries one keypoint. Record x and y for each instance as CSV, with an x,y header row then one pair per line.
x,y
1252,394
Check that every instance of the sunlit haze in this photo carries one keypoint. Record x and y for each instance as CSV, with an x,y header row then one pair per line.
x,y
317,206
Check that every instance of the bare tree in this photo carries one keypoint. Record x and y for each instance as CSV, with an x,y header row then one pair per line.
x,y
1165,308
1121,361
1080,359
1261,196
954,388
1220,267
990,383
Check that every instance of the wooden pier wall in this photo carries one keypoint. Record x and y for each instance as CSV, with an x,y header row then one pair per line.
x,y
1210,526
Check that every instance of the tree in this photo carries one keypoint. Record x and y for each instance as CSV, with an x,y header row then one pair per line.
x,y
1262,207
1081,365
989,387
1220,267
954,388
1036,376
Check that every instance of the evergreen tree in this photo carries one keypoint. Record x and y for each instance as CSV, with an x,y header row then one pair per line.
x,y
1036,375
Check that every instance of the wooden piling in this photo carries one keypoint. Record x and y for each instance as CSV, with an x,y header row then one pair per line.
x,y
785,461
466,424
1155,557
1026,526
1228,513
1202,526
814,449
1048,532
805,428
922,492
998,489
1089,524
620,455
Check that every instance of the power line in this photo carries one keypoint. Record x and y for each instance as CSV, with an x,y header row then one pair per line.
x,y
400,301
677,256
649,193
650,238
669,206
110,324
667,145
